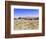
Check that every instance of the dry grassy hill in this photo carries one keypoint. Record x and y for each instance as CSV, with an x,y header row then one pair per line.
x,y
23,24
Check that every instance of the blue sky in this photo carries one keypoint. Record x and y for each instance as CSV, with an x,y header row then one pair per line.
x,y
26,12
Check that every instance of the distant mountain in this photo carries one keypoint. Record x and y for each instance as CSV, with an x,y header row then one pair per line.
x,y
27,18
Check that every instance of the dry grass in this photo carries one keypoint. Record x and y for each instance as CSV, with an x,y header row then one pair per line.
x,y
22,24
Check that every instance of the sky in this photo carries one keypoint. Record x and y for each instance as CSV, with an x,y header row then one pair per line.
x,y
26,12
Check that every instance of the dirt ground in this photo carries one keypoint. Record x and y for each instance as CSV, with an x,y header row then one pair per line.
x,y
22,24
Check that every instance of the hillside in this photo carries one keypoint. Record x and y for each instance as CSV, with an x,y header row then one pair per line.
x,y
26,23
